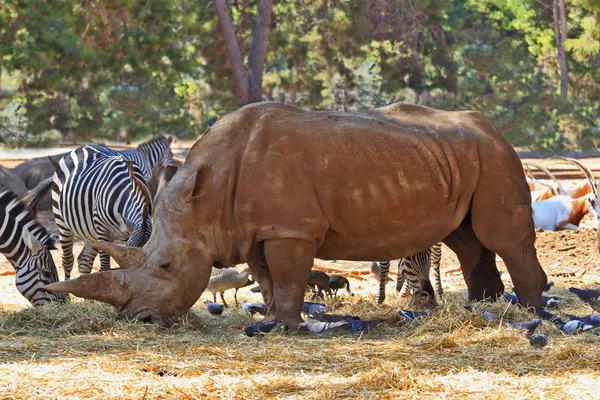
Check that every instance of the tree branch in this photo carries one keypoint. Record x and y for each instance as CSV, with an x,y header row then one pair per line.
x,y
258,49
233,51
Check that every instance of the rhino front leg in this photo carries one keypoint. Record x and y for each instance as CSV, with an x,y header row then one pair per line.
x,y
260,273
290,262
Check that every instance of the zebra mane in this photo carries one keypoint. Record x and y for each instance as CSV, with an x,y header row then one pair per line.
x,y
148,143
10,200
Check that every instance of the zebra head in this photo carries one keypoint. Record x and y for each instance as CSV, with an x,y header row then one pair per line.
x,y
36,269
157,151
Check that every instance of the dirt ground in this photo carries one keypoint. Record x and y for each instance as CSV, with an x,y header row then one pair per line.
x,y
83,350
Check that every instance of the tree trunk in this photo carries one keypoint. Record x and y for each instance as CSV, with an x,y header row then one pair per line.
x,y
234,53
258,50
560,33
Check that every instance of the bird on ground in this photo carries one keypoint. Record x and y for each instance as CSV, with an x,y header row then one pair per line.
x,y
486,315
223,279
254,308
320,327
317,309
589,296
593,319
510,298
575,326
214,308
337,282
412,315
307,304
549,316
261,327
538,340
331,317
358,326
529,327
548,286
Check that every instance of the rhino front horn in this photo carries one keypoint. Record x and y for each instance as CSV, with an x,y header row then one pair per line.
x,y
125,256
112,287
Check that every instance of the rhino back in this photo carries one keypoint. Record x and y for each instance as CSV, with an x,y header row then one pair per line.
x,y
352,183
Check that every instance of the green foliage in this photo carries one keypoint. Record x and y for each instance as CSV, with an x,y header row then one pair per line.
x,y
125,69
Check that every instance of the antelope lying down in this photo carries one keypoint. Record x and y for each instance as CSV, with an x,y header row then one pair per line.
x,y
556,208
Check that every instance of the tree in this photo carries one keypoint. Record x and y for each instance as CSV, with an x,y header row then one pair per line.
x,y
248,83
560,32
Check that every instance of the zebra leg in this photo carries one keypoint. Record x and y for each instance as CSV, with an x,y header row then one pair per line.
x,y
384,269
85,260
104,258
66,244
400,286
436,258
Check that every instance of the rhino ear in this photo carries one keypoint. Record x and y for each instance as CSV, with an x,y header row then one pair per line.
x,y
196,184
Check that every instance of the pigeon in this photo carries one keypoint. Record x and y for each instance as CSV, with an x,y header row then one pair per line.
x,y
359,326
589,296
254,308
529,327
331,317
538,340
552,303
412,315
549,316
261,327
593,319
548,286
315,309
510,298
214,308
307,304
320,327
486,315
255,289
575,326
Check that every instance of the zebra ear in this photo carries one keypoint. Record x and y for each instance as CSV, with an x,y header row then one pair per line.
x,y
169,140
125,225
31,241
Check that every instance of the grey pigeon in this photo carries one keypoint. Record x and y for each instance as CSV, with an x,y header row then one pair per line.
x,y
320,327
589,296
575,326
261,327
538,340
315,309
254,308
593,319
214,308
412,315
359,326
486,315
548,286
307,304
529,327
331,317
552,303
510,298
549,316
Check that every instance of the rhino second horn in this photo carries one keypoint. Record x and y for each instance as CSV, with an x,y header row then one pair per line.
x,y
110,287
127,257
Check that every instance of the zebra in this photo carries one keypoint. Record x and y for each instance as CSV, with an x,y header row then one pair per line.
x,y
26,244
415,271
147,155
99,197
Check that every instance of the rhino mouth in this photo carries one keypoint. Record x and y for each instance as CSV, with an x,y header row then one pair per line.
x,y
147,317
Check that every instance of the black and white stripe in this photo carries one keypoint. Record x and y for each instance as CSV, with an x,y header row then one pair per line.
x,y
413,274
26,244
97,196
147,155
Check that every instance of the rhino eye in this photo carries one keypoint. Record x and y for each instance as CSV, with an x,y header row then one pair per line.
x,y
165,266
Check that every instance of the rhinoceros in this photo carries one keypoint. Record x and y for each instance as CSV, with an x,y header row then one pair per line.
x,y
276,186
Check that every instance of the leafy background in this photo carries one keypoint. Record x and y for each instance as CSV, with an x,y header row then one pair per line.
x,y
74,70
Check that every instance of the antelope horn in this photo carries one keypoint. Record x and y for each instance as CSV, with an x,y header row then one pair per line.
x,y
112,287
585,169
127,257
547,172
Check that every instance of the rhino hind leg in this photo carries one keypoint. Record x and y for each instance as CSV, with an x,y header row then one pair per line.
x,y
290,262
260,272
